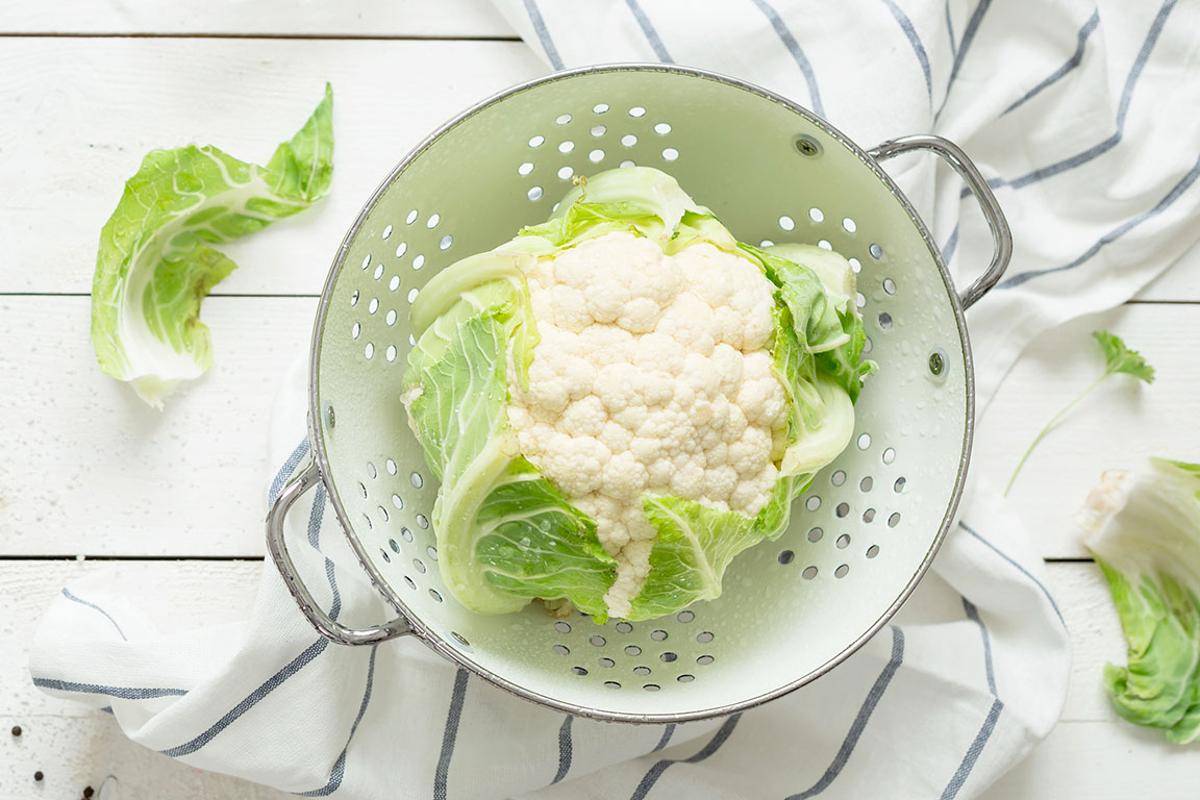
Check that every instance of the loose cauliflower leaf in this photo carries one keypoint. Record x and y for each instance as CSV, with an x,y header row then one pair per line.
x,y
1144,530
505,534
155,264
564,281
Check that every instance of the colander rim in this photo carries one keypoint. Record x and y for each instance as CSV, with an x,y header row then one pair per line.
x,y
443,647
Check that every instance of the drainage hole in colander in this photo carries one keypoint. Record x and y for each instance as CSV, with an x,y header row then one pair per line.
x,y
563,119
612,685
627,163
885,320
816,215
416,480
624,627
369,350
838,477
637,112
445,242
864,441
843,541
565,173
704,660
525,168
412,340
537,141
431,551
411,584
562,649
686,677
412,295
579,670
386,232
815,535
418,262
412,217
668,657
685,616
866,484
766,243
872,551
554,208
876,251
704,637
651,687
371,471
662,128
889,455
842,509
632,650
390,466
869,515
392,543
562,626
362,488
606,662
354,298
366,262
458,637
596,156
406,534
787,223
848,225
600,108
378,273
419,565
393,285
860,299
787,556
390,353
813,502
398,501
825,244
889,285
894,519
355,330
566,146
596,640
391,317
809,572
868,345
534,193
841,571
401,249
641,670
422,522
658,635
670,154
383,512
437,597
629,140
384,554
373,306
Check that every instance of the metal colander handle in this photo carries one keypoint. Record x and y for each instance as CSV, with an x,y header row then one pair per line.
x,y
962,164
326,625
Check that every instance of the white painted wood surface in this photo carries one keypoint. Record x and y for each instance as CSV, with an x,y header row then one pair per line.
x,y
87,470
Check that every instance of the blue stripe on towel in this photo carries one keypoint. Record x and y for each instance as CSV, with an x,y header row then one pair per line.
x,y
643,21
860,720
714,744
914,40
543,34
67,594
121,692
339,766
450,734
1074,61
973,752
565,749
793,47
1016,564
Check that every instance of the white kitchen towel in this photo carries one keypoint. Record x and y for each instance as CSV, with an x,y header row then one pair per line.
x,y
1083,116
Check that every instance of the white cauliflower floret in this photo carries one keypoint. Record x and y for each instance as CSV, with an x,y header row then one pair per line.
x,y
651,376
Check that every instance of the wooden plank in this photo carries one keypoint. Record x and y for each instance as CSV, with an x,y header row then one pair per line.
x,y
89,468
77,115
1118,427
94,471
75,747
456,18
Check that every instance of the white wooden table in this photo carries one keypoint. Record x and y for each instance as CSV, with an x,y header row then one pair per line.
x,y
90,479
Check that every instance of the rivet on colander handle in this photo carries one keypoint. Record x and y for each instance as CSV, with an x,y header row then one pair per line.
x,y
962,164
325,625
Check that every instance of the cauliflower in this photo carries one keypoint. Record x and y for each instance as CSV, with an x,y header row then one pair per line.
x,y
623,398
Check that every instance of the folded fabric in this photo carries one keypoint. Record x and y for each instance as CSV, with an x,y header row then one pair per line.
x,y
1080,114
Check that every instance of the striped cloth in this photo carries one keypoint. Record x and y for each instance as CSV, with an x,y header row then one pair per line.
x,y
1082,115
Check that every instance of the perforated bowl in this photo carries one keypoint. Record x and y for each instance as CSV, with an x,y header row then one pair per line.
x,y
861,536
